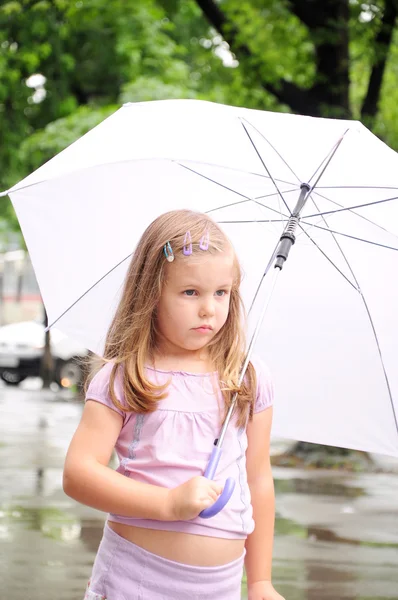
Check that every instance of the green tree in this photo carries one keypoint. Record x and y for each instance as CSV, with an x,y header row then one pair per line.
x,y
318,57
86,50
92,54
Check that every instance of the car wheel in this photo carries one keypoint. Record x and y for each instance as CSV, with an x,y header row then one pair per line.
x,y
69,373
11,377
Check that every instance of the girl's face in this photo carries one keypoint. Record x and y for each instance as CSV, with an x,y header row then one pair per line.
x,y
194,303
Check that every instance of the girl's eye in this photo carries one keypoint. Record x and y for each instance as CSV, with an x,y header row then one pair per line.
x,y
189,292
221,293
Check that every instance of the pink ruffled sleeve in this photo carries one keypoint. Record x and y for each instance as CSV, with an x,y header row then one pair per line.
x,y
265,388
98,389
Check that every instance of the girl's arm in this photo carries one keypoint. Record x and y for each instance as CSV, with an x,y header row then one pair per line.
x,y
259,544
88,479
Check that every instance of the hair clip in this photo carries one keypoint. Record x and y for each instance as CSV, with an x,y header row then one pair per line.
x,y
187,249
204,241
168,252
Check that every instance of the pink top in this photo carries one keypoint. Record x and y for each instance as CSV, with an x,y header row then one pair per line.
x,y
174,443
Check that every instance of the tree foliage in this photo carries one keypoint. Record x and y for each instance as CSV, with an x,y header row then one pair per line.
x,y
321,57
307,52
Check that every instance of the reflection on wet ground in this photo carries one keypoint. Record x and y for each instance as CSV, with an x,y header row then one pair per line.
x,y
336,534
323,487
52,523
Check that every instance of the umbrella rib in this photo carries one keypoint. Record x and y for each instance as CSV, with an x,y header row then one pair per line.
x,y
306,233
350,208
234,169
285,219
367,312
381,360
353,212
327,159
336,242
352,237
272,146
240,221
265,167
356,288
276,194
357,187
256,201
87,291
130,160
317,226
246,198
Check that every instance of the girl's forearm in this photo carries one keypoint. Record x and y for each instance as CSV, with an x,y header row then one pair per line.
x,y
101,487
259,544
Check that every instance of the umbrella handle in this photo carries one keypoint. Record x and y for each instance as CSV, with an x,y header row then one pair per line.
x,y
228,487
221,501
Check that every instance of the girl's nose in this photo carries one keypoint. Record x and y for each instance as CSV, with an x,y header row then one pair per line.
x,y
207,308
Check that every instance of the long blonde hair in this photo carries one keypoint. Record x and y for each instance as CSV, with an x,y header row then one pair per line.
x,y
131,337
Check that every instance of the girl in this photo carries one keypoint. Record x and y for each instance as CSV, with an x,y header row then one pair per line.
x,y
171,363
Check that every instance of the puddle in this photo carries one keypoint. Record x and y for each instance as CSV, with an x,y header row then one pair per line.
x,y
51,522
324,487
327,535
288,527
307,580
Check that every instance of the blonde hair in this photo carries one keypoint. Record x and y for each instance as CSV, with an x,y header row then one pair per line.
x,y
131,337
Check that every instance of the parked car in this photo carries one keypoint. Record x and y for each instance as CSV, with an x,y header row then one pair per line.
x,y
21,350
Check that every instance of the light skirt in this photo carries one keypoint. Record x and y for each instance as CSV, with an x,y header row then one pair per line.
x,y
124,571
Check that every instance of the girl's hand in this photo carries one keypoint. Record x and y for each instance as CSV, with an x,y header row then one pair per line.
x,y
263,590
189,499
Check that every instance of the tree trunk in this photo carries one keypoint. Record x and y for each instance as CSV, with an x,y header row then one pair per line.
x,y
382,44
327,22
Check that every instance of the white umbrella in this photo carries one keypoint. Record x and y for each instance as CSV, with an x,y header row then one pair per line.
x,y
330,334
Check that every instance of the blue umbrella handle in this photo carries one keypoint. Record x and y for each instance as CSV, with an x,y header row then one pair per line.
x,y
228,487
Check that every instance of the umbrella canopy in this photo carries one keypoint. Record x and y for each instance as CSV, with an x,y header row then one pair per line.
x,y
330,335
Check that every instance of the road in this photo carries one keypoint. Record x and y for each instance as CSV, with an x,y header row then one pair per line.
x,y
336,534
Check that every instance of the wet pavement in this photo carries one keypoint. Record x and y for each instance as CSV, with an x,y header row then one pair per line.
x,y
336,533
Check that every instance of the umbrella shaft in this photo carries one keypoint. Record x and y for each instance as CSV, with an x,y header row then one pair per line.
x,y
218,442
286,242
288,236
